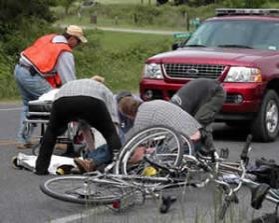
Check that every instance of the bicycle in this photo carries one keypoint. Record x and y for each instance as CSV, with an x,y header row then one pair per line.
x,y
107,188
238,170
165,141
260,191
271,194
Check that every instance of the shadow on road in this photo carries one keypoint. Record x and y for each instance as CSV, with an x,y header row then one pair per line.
x,y
268,218
221,131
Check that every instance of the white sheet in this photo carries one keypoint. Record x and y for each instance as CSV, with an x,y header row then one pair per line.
x,y
29,161
49,96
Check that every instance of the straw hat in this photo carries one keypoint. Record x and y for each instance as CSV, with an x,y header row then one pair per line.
x,y
98,78
77,32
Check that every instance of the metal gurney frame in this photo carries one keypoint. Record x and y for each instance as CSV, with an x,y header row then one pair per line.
x,y
39,114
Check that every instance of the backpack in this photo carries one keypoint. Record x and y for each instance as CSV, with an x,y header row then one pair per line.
x,y
266,171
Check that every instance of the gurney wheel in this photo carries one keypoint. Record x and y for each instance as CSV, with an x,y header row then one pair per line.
x,y
15,164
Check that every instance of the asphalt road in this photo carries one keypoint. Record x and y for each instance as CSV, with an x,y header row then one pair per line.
x,y
23,202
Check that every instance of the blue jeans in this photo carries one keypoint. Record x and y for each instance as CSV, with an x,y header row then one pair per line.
x,y
31,88
125,125
100,155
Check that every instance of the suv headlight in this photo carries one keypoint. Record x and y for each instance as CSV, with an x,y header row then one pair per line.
x,y
153,70
244,74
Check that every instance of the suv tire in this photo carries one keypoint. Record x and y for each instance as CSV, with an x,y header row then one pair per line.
x,y
266,124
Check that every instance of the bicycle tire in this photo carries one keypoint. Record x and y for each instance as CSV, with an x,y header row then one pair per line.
x,y
86,190
188,146
165,145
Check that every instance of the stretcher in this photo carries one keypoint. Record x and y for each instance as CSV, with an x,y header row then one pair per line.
x,y
39,114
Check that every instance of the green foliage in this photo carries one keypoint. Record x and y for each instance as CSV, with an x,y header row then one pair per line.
x,y
148,16
18,40
119,57
121,66
244,3
130,2
272,4
66,4
20,23
12,11
7,84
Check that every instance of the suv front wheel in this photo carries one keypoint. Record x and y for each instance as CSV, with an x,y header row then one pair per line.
x,y
265,126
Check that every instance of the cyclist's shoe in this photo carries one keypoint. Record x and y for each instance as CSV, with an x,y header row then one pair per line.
x,y
85,165
206,145
205,153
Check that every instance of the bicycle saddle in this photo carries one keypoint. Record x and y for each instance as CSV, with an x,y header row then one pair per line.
x,y
258,195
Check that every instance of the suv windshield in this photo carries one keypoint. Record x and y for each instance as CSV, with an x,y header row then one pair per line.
x,y
237,33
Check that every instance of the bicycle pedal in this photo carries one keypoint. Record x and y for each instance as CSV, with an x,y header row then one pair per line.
x,y
166,203
234,198
224,153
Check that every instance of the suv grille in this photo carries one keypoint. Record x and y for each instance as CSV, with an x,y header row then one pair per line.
x,y
193,70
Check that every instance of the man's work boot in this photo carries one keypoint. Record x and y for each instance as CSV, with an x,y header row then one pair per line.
x,y
85,165
25,145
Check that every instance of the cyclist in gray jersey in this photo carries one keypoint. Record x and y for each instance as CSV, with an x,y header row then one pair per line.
x,y
159,112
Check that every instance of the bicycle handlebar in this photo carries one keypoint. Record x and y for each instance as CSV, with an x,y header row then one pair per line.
x,y
244,155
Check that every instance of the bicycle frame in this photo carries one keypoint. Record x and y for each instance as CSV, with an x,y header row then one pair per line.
x,y
177,176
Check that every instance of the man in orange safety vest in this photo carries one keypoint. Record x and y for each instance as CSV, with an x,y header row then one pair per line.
x,y
48,63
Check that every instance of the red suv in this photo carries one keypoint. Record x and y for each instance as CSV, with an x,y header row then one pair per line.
x,y
240,47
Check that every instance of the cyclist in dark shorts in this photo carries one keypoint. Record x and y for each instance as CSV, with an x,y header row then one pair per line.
x,y
87,100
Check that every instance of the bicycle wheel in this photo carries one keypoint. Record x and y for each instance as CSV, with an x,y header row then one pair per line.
x,y
86,190
187,144
161,144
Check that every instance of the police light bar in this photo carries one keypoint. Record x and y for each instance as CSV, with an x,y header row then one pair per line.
x,y
239,11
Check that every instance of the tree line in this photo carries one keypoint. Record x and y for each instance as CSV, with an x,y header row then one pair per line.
x,y
235,3
23,20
